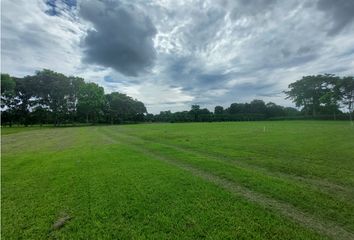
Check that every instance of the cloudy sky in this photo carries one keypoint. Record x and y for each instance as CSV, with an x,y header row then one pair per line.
x,y
172,54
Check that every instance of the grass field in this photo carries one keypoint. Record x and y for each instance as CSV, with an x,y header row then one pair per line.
x,y
241,180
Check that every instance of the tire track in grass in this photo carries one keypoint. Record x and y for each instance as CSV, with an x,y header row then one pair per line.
x,y
321,185
327,228
86,166
342,197
318,184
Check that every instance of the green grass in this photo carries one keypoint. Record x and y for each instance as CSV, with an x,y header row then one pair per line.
x,y
246,180
12,130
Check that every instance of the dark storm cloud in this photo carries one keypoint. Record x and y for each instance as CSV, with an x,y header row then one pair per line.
x,y
191,75
340,12
121,38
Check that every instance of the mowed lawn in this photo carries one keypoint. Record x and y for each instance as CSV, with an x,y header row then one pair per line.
x,y
239,180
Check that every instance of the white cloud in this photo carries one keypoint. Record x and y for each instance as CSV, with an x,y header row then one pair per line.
x,y
159,97
32,40
210,52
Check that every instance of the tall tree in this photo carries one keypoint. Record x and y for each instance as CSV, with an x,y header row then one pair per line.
x,y
195,109
52,97
53,91
307,92
26,97
236,108
75,85
218,110
7,83
257,106
347,93
8,101
274,110
121,107
331,95
90,101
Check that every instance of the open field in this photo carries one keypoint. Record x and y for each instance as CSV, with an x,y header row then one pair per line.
x,y
240,180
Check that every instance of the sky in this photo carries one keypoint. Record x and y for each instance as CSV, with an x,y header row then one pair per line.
x,y
171,54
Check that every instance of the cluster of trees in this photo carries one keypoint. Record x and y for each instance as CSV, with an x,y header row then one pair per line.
x,y
323,94
51,97
255,110
320,97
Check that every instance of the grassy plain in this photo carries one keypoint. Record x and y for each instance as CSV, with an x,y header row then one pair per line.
x,y
240,180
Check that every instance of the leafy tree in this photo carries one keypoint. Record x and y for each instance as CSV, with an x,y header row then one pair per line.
x,y
291,112
183,116
347,94
331,95
7,90
122,107
90,101
274,110
26,97
218,110
7,83
236,108
258,106
76,84
195,112
40,115
204,115
8,102
307,92
164,116
149,117
54,92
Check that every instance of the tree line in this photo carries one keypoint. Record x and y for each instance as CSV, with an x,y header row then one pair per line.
x,y
50,97
253,111
318,96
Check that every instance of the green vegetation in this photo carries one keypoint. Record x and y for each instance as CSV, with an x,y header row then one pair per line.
x,y
247,180
5,131
52,98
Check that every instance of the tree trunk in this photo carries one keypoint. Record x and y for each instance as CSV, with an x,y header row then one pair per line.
x,y
314,104
93,121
